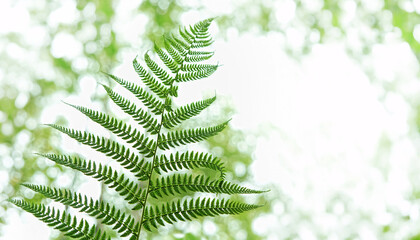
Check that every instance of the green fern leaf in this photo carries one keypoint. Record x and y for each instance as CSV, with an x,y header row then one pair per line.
x,y
200,56
150,81
176,51
200,43
182,183
126,188
199,67
161,73
200,29
177,138
138,114
64,222
123,224
186,35
167,60
189,160
173,91
181,46
111,148
121,129
173,118
148,99
195,75
205,54
190,209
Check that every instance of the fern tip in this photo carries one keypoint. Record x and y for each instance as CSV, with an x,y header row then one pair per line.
x,y
27,185
10,200
260,205
107,89
103,72
69,104
210,19
42,154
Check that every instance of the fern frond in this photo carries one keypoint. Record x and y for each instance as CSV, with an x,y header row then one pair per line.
x,y
173,91
189,160
195,75
173,118
138,114
143,153
196,53
108,214
196,37
189,209
186,35
125,187
62,221
180,45
198,57
148,99
202,37
161,73
200,43
200,34
200,29
150,81
177,138
199,67
121,129
176,51
182,183
111,148
167,60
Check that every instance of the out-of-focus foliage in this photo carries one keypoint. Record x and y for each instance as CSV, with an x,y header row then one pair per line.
x,y
32,74
162,15
36,70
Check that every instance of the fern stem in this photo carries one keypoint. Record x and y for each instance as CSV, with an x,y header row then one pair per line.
x,y
101,198
67,207
157,140
150,176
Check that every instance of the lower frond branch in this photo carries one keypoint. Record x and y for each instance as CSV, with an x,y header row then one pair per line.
x,y
64,222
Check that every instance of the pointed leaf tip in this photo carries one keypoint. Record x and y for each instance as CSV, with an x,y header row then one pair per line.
x,y
69,104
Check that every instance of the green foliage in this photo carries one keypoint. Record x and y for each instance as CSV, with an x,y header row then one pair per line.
x,y
189,209
61,221
145,153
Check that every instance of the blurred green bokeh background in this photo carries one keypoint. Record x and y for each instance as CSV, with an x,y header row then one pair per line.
x,y
50,50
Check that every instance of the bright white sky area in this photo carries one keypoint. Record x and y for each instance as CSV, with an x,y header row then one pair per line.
x,y
321,119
